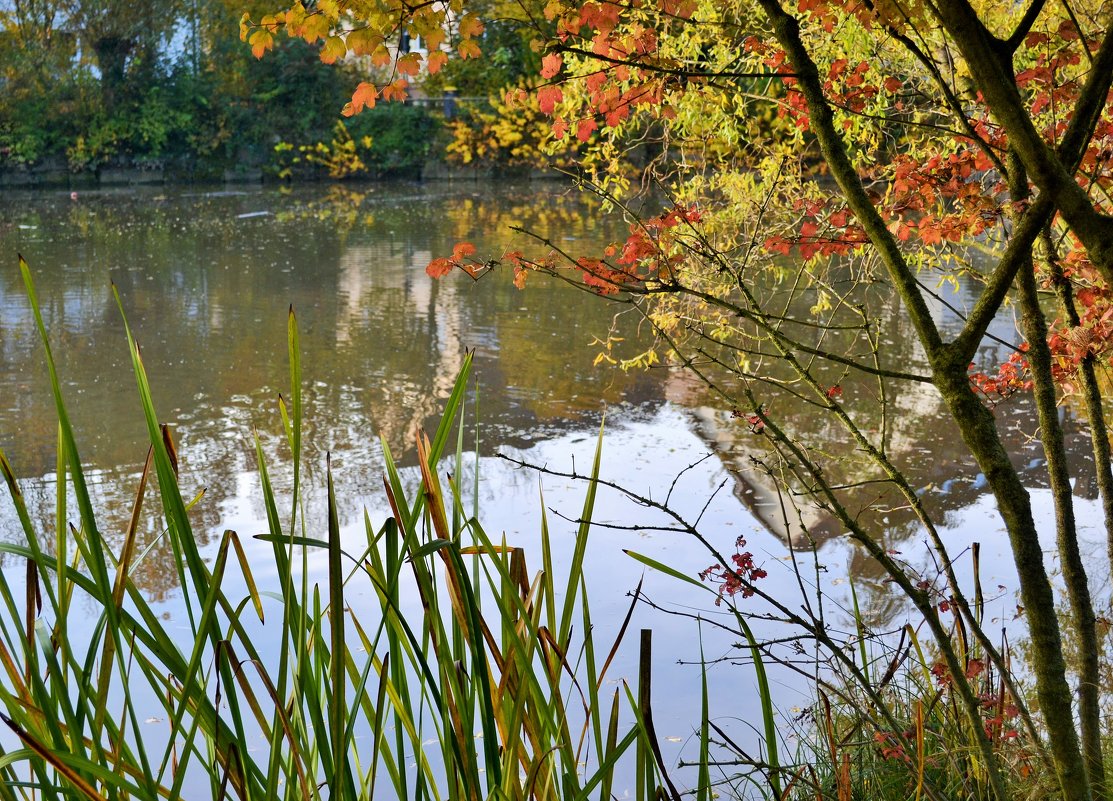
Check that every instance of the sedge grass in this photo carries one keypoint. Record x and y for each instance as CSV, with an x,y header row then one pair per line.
x,y
495,690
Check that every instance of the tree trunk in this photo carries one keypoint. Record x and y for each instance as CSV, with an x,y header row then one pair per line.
x,y
1091,394
112,56
1074,572
979,431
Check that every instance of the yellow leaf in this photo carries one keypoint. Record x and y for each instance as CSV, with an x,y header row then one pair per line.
x,y
470,26
362,41
468,49
295,17
333,49
261,41
316,27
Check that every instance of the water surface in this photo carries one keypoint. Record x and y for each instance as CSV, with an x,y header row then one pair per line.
x,y
206,279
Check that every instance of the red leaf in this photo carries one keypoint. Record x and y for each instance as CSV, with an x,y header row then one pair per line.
x,y
438,268
550,65
584,129
548,97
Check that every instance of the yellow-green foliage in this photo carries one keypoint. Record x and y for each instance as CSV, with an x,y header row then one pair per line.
x,y
340,157
513,132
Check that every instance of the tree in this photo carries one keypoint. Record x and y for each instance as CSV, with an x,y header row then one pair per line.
x,y
826,157
123,38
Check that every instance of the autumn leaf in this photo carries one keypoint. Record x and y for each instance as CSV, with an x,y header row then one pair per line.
x,y
333,49
548,97
439,268
584,129
435,60
261,41
470,26
362,42
315,27
974,667
363,97
462,250
409,64
433,39
381,57
398,90
550,65
468,49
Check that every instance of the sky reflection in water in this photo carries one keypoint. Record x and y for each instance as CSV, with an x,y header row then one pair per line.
x,y
206,279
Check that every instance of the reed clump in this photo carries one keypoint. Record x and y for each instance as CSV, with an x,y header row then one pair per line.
x,y
494,689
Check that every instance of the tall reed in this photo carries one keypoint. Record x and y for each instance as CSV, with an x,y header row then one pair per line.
x,y
494,690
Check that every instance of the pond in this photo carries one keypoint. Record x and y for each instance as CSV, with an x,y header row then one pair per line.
x,y
206,279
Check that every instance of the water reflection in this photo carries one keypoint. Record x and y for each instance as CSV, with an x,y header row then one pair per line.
x,y
906,420
206,278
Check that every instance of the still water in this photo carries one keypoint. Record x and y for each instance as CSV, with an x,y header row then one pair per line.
x,y
206,279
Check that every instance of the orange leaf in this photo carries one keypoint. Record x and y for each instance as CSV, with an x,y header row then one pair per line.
x,y
462,250
438,268
396,91
550,65
363,97
435,60
409,64
381,57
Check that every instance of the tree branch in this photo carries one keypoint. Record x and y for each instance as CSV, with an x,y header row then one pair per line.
x,y
787,30
1025,25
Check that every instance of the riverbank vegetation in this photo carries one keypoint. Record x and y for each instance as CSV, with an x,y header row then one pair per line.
x,y
826,162
165,88
418,658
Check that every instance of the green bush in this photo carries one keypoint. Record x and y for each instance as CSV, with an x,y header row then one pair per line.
x,y
402,138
